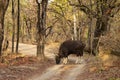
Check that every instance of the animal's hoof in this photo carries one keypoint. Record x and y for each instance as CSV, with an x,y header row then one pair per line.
x,y
78,62
64,62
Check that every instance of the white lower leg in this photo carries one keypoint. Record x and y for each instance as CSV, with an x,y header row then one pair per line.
x,y
78,59
65,60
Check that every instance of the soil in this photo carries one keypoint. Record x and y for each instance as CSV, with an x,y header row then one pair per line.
x,y
30,68
24,70
95,70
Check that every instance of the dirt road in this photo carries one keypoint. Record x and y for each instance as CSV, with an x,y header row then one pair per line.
x,y
91,67
31,50
56,72
61,72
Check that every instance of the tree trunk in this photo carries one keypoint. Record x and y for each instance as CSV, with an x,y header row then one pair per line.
x,y
1,31
90,32
101,28
13,20
40,46
101,23
3,8
41,25
18,26
75,26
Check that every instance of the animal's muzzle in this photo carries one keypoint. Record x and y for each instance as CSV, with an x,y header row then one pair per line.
x,y
57,59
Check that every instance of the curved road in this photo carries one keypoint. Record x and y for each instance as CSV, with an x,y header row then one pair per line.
x,y
31,50
61,72
56,72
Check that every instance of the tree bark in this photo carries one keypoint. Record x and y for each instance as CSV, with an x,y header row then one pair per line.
x,y
75,37
3,8
41,25
101,24
13,20
101,28
18,26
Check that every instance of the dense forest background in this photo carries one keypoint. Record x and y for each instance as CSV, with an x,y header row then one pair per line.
x,y
77,20
39,27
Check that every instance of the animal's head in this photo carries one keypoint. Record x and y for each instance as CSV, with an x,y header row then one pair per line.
x,y
57,59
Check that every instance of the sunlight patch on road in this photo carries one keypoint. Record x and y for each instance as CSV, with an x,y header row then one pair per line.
x,y
50,72
73,73
65,68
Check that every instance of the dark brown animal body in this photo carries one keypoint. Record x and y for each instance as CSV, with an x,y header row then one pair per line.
x,y
70,47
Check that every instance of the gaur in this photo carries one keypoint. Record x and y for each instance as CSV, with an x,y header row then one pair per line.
x,y
70,47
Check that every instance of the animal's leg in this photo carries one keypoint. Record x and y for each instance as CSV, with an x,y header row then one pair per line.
x,y
65,60
78,61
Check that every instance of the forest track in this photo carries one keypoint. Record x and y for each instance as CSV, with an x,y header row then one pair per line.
x,y
61,72
31,50
56,72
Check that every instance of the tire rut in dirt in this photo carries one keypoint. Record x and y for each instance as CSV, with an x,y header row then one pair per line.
x,y
69,72
61,72
49,73
73,73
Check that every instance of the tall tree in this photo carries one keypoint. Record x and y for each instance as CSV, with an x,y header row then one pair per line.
x,y
3,8
102,11
105,10
18,26
41,25
90,29
13,20
75,24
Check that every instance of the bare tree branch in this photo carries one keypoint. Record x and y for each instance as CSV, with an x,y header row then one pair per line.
x,y
80,2
84,8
